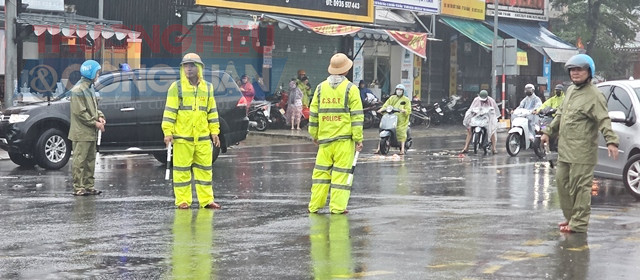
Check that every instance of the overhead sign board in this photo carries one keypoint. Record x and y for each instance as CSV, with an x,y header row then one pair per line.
x,y
424,6
43,5
521,9
473,9
345,10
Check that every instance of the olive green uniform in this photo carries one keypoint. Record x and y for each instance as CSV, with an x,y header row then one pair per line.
x,y
83,133
307,95
580,116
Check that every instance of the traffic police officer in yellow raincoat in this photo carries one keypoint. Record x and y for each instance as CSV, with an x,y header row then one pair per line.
x,y
190,122
335,124
581,115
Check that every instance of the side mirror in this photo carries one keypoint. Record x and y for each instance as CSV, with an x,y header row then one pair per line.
x,y
617,116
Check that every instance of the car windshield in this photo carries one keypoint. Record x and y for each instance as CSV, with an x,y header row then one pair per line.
x,y
637,90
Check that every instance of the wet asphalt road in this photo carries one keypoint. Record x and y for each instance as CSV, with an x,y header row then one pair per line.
x,y
431,215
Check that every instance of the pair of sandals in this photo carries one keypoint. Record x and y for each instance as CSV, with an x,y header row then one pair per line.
x,y
86,192
211,205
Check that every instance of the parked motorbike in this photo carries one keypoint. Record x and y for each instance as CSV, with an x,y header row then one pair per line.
x,y
453,109
419,114
371,116
277,111
435,113
546,117
388,137
260,113
519,135
479,124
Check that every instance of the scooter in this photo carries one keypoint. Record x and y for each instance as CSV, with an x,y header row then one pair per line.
x,y
479,126
260,113
546,117
388,138
519,135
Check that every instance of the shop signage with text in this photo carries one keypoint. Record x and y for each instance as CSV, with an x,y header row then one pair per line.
x,y
424,6
347,10
473,9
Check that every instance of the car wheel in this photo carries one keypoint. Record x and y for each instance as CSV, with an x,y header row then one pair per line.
x,y
52,149
22,160
630,176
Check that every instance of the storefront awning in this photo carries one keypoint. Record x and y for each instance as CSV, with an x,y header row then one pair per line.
x,y
474,30
539,38
79,26
415,42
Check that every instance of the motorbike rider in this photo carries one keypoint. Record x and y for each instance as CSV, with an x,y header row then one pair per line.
x,y
364,91
302,82
403,103
530,102
553,102
482,100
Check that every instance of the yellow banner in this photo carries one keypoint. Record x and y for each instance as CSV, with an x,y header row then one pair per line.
x,y
351,10
473,9
522,59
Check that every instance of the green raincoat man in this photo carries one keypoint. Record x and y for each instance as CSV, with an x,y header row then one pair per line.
x,y
86,120
401,102
581,115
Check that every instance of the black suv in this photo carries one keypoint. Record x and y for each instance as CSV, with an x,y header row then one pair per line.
x,y
133,104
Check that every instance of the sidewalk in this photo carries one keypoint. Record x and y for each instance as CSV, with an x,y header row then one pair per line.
x,y
370,133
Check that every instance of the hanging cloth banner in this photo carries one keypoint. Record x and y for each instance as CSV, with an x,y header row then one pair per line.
x,y
330,29
412,41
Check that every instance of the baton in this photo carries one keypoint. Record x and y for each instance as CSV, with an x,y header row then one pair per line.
x,y
353,168
98,142
168,170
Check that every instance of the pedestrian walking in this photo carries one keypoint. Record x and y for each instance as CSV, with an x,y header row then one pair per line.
x,y
335,125
190,123
579,118
86,121
294,107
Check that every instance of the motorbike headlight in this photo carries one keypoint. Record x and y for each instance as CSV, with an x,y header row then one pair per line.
x,y
478,129
389,109
18,118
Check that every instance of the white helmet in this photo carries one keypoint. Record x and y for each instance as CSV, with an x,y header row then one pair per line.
x,y
529,88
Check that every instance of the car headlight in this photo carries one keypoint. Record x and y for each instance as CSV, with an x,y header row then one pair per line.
x,y
18,118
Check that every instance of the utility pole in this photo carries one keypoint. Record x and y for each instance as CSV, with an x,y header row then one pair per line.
x,y
101,17
494,49
11,51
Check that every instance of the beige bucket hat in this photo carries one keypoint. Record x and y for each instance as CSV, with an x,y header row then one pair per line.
x,y
339,64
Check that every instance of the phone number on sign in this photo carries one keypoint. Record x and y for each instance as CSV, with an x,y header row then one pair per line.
x,y
343,4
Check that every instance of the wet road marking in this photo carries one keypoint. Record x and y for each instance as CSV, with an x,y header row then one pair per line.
x,y
520,256
447,265
492,269
282,160
534,242
579,249
601,217
366,273
510,165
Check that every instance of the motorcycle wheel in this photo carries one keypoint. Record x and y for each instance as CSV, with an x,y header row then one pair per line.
x,y
538,148
476,142
368,121
261,122
513,144
384,146
427,122
414,120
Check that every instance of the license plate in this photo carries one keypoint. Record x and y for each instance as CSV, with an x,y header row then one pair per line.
x,y
373,113
438,110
